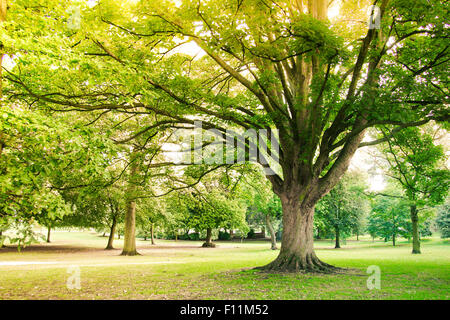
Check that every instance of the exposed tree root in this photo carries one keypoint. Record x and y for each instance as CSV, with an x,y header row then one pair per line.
x,y
208,245
130,253
293,263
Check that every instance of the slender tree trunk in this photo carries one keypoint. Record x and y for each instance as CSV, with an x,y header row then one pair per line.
x,y
393,239
152,234
1,244
111,234
415,230
357,236
337,242
48,234
297,243
273,238
3,8
208,241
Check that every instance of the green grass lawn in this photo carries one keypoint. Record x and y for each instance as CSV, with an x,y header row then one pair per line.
x,y
184,270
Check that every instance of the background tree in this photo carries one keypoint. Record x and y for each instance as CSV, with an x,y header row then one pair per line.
x,y
416,163
43,156
264,207
152,214
389,219
98,208
211,204
443,219
344,207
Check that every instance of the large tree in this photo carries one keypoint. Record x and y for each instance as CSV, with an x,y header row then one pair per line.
x,y
266,65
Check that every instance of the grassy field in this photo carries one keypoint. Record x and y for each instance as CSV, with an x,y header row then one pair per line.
x,y
184,270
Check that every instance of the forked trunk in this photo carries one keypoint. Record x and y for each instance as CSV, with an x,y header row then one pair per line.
x,y
297,243
415,230
273,238
111,235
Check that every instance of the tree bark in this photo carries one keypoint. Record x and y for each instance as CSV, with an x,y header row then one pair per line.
x,y
297,243
273,238
152,234
48,234
337,242
415,230
1,244
129,245
111,234
208,241
3,8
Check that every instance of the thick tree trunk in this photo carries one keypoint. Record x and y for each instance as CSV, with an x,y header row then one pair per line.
x,y
415,230
337,242
152,234
208,241
129,245
297,243
48,234
273,238
111,235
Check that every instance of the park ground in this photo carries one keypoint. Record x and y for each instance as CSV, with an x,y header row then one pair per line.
x,y
184,270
